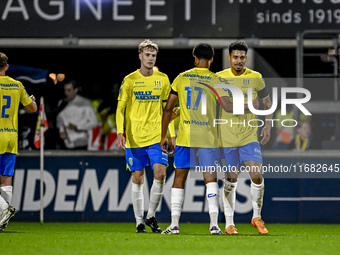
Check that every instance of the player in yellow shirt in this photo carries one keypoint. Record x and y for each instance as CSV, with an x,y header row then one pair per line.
x,y
239,140
142,96
197,133
12,93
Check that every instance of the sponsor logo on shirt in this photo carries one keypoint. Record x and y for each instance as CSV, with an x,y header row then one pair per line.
x,y
157,84
146,96
195,122
10,130
9,85
197,76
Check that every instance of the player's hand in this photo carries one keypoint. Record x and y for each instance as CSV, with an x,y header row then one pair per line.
x,y
121,142
164,144
33,98
172,146
265,133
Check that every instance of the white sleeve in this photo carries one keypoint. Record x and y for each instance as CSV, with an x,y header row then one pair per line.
x,y
90,120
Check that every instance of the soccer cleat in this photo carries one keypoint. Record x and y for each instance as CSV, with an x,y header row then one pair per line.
x,y
215,231
231,230
152,223
3,227
259,224
171,231
141,228
6,216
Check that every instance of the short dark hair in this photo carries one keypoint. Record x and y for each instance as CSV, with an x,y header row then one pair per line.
x,y
238,45
203,51
73,82
3,61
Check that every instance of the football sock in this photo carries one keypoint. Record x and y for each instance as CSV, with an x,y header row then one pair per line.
x,y
229,199
257,192
156,193
138,202
177,198
6,193
212,198
3,205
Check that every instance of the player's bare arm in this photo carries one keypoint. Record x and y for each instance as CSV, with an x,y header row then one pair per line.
x,y
32,106
265,132
171,127
167,113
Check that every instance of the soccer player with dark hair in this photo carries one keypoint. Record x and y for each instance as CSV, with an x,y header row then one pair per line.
x,y
239,141
12,93
196,134
142,97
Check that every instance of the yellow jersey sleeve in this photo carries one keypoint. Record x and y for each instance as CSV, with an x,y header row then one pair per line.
x,y
261,84
24,97
166,90
125,90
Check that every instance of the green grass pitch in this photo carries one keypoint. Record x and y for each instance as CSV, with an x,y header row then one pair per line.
x,y
120,238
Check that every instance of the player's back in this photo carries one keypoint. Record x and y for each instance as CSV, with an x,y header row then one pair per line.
x,y
198,108
12,93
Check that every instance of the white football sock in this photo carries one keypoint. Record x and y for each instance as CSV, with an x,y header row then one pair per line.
x,y
177,198
229,200
257,192
156,193
212,198
6,193
3,205
138,202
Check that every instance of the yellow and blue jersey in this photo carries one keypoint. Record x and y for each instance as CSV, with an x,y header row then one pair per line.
x,y
144,96
198,100
239,131
12,92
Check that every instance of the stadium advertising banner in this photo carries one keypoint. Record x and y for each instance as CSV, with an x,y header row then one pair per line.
x,y
165,18
98,189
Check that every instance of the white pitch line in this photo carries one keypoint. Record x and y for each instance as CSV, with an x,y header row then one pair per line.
x,y
292,199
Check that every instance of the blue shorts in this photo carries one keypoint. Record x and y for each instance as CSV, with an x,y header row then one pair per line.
x,y
236,155
7,163
206,157
139,158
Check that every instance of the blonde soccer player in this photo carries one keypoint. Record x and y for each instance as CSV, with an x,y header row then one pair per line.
x,y
142,96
